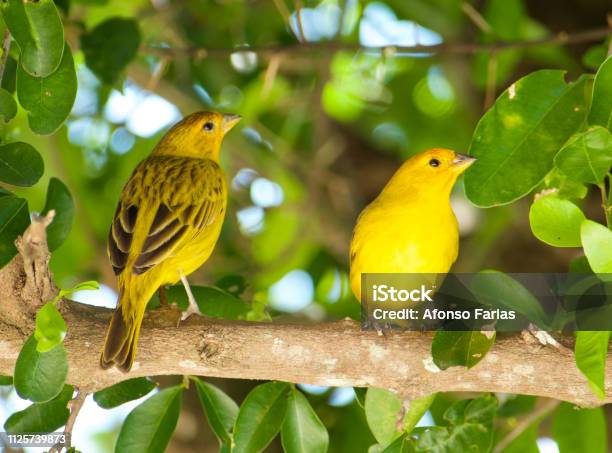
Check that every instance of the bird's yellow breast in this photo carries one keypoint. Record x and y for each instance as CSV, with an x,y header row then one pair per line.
x,y
403,237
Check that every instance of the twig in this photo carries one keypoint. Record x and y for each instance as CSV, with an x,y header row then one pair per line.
x,y
270,75
286,15
6,47
562,38
283,10
157,73
299,7
75,407
539,412
476,18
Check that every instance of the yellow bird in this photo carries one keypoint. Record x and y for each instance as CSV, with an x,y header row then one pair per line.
x,y
166,225
410,227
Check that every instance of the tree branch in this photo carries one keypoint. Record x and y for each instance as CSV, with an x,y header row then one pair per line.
x,y
562,38
331,354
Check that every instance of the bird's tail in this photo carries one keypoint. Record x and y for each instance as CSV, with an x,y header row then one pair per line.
x,y
122,336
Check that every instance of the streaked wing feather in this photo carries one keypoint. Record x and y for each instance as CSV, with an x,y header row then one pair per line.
x,y
120,238
163,217
158,237
147,260
191,198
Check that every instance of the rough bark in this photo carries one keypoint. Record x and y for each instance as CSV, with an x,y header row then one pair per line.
x,y
333,354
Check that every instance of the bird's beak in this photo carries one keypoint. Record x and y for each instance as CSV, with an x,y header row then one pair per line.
x,y
461,162
229,121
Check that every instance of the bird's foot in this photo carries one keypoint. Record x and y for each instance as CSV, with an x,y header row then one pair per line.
x,y
193,305
380,328
192,309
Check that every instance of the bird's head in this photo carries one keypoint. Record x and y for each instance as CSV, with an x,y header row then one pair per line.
x,y
435,170
198,135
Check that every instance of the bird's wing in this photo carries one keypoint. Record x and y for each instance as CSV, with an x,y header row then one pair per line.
x,y
187,196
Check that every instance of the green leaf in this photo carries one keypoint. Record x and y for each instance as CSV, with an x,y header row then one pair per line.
x,y
302,430
470,428
124,391
49,99
220,410
37,28
580,265
460,348
110,46
14,219
213,302
20,164
597,243
556,221
516,140
50,328
587,157
58,198
89,285
9,77
601,105
382,409
42,417
149,427
415,411
402,444
40,376
591,351
6,380
499,289
8,106
260,417
563,186
580,430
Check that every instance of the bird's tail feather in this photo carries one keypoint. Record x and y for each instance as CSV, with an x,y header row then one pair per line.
x,y
121,338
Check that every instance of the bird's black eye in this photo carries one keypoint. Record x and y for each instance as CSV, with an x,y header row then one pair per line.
x,y
208,126
434,162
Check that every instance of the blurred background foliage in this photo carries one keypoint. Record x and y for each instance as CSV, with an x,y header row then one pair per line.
x,y
324,126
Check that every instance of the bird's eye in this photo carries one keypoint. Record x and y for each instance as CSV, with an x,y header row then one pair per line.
x,y
434,162
208,126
